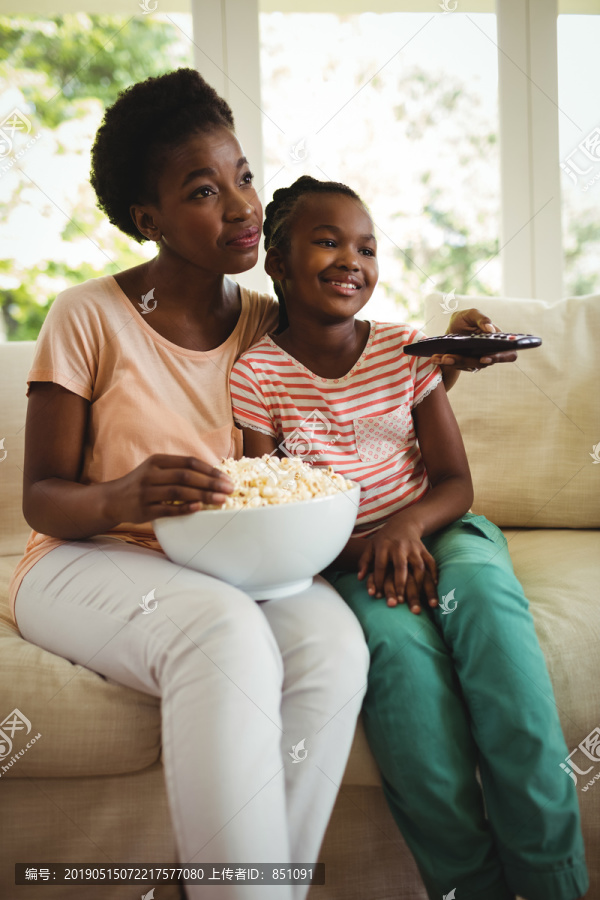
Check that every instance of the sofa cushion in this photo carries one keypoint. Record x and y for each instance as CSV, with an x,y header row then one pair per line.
x,y
559,571
88,724
530,427
15,362
87,822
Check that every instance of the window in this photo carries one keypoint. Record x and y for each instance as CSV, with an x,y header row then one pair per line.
x,y
579,135
390,105
57,75
405,106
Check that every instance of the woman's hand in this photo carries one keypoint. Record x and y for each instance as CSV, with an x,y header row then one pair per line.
x,y
399,567
470,321
165,485
56,503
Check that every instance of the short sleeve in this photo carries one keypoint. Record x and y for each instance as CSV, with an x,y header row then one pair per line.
x,y
65,351
249,404
262,317
426,376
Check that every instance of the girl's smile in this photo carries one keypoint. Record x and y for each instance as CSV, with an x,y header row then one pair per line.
x,y
347,287
327,270
330,269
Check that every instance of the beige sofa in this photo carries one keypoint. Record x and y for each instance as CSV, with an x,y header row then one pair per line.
x,y
91,789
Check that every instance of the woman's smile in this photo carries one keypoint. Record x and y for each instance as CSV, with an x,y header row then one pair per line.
x,y
248,237
209,213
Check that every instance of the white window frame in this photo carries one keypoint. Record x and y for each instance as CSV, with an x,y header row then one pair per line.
x,y
227,52
531,235
531,230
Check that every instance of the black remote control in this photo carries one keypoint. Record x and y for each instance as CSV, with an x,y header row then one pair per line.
x,y
474,345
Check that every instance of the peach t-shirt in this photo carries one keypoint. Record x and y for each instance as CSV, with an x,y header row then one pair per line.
x,y
147,395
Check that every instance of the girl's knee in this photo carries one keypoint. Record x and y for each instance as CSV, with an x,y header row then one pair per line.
x,y
488,589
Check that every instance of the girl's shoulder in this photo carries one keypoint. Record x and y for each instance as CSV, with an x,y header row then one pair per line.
x,y
263,352
396,331
387,348
391,336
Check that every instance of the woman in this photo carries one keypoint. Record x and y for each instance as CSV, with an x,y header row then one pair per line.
x,y
128,412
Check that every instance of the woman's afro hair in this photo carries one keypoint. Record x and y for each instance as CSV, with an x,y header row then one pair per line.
x,y
147,120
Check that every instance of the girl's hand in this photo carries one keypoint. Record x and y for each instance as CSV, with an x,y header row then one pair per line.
x,y
411,592
399,566
469,321
150,490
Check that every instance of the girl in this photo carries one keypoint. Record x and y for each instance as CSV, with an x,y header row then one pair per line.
x,y
447,692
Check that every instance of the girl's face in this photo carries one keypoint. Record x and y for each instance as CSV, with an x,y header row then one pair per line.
x,y
208,212
330,268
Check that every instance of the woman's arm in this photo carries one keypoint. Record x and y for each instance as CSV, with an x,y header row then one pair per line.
x,y
55,503
468,321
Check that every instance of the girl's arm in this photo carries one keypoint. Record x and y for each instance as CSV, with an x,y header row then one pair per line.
x,y
449,375
447,468
395,559
257,444
445,460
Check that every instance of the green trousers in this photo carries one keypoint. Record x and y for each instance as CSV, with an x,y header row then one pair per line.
x,y
468,689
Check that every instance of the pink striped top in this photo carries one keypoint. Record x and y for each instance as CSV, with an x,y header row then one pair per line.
x,y
360,424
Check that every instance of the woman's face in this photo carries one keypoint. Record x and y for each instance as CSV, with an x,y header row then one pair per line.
x,y
208,212
330,267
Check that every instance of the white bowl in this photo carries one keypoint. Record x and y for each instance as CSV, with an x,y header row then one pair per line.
x,y
267,551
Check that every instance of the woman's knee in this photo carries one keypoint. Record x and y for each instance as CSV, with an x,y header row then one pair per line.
x,y
347,653
336,633
222,625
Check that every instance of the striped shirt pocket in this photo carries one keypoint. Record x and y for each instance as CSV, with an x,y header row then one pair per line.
x,y
380,437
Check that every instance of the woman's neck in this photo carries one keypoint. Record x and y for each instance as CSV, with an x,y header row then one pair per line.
x,y
192,311
182,287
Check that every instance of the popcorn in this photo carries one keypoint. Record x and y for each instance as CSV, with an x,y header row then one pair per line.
x,y
269,481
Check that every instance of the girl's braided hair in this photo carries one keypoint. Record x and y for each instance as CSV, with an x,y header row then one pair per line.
x,y
145,122
278,216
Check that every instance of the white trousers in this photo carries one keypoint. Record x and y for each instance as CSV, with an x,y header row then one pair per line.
x,y
240,684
